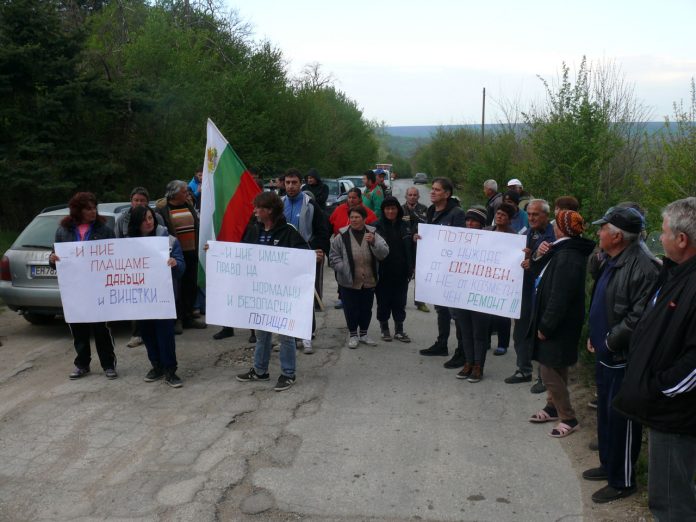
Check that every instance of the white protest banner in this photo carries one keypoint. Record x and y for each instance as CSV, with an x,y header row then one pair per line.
x,y
115,280
261,287
472,269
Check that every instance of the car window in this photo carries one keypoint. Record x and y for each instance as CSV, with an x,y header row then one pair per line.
x,y
40,233
333,186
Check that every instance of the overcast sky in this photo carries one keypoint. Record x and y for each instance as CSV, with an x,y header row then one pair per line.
x,y
425,62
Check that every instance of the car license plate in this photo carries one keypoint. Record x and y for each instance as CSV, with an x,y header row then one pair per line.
x,y
42,271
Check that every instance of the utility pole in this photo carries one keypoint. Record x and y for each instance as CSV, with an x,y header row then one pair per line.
x,y
483,116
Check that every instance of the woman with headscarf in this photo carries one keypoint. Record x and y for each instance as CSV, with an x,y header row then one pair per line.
x,y
85,224
558,313
395,270
158,334
354,256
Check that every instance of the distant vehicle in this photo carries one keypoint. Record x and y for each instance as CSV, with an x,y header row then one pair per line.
x,y
420,177
27,284
338,193
357,181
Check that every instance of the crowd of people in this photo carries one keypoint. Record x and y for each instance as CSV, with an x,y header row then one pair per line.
x,y
641,319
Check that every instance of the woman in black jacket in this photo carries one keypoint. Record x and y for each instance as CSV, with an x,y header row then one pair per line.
x,y
395,270
558,313
85,224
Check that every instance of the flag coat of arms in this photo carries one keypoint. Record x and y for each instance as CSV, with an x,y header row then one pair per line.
x,y
227,195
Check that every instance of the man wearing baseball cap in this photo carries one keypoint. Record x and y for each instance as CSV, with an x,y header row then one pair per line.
x,y
621,291
525,197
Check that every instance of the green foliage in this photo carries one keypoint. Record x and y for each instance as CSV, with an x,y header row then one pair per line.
x,y
103,96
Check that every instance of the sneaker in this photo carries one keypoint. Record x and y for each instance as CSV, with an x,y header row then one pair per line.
x,y
251,375
307,346
518,377
476,374
457,361
402,336
609,493
423,307
595,474
155,374
353,342
110,373
172,379
386,336
194,323
435,349
78,373
366,340
284,382
338,305
178,327
500,350
538,387
134,342
592,404
252,339
226,332
465,372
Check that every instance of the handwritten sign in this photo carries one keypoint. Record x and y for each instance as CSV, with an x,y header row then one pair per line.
x,y
115,280
261,287
471,269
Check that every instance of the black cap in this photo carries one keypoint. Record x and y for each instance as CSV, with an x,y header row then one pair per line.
x,y
626,219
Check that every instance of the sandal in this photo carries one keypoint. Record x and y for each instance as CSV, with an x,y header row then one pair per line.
x,y
544,416
563,430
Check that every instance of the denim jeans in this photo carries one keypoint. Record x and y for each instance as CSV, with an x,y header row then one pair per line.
x,y
671,469
262,353
158,336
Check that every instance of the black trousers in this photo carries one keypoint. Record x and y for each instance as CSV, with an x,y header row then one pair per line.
x,y
619,438
444,319
502,325
189,287
475,331
357,307
82,332
158,336
391,300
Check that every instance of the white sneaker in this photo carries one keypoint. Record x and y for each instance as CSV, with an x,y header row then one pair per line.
x,y
366,340
135,341
353,342
307,344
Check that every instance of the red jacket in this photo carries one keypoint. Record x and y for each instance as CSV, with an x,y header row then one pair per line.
x,y
339,217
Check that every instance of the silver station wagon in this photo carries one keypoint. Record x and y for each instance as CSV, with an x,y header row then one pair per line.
x,y
27,284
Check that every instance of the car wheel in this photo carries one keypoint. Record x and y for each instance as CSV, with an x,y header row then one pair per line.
x,y
39,318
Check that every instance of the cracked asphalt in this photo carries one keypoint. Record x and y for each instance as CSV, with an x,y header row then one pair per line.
x,y
377,433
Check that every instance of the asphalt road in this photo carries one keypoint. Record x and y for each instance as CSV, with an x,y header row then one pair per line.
x,y
377,433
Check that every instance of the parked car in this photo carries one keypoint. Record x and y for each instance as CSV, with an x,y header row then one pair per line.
x,y
27,284
338,193
420,177
357,181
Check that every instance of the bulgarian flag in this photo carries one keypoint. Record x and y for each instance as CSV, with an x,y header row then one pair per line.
x,y
227,195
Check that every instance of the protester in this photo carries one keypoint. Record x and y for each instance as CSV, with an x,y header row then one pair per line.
x,y
317,187
158,334
659,386
195,186
339,217
270,228
519,220
445,210
354,256
540,230
474,326
139,197
502,325
495,199
626,277
395,270
85,224
414,214
558,313
308,218
524,196
381,177
373,195
181,220
565,203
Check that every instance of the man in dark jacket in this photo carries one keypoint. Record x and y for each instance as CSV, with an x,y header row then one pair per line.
x,y
659,387
415,213
445,210
270,228
626,278
495,199
317,187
